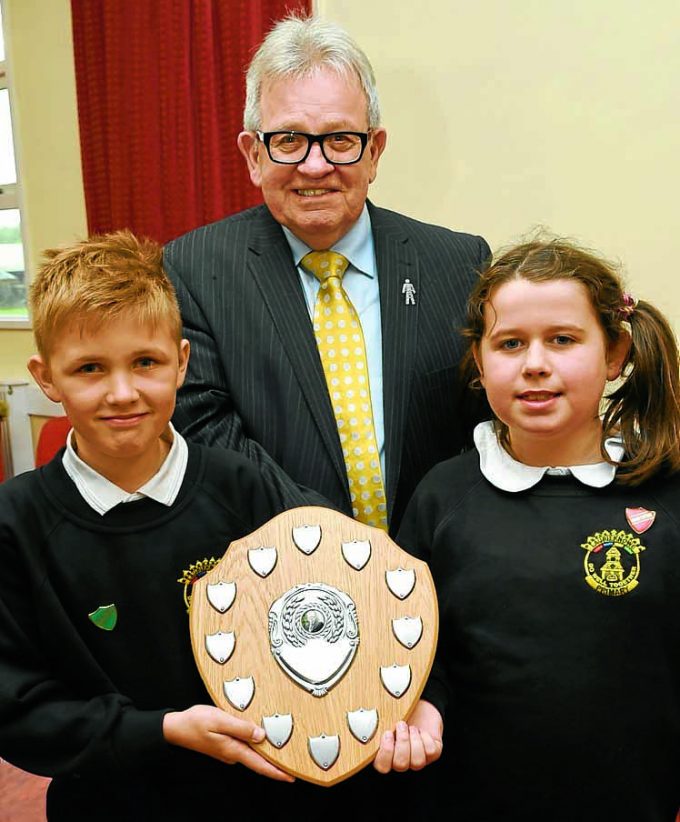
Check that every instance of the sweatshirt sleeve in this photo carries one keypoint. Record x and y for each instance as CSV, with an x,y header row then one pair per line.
x,y
240,486
417,536
47,726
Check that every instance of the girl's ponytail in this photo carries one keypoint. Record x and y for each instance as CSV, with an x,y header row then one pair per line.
x,y
645,408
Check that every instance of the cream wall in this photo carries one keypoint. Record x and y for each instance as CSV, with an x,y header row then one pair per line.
x,y
40,53
505,114
502,114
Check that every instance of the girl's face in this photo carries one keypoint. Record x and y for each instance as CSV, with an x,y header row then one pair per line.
x,y
544,361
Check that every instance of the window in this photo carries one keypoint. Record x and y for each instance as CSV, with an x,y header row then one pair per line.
x,y
12,267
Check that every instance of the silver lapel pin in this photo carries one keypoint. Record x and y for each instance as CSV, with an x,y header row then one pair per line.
x,y
409,292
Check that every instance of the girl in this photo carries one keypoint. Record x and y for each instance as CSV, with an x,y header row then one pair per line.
x,y
555,548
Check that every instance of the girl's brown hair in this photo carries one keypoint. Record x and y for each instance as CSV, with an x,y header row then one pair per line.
x,y
645,408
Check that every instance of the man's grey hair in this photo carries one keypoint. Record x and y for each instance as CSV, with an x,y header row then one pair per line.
x,y
297,47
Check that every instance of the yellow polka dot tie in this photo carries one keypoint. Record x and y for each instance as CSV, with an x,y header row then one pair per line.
x,y
343,356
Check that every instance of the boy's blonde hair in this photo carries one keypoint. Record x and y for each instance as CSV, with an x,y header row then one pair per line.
x,y
98,279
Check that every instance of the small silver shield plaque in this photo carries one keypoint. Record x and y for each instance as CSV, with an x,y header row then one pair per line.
x,y
278,728
307,538
262,560
400,582
356,553
220,646
313,635
396,678
408,630
240,691
324,750
363,723
221,595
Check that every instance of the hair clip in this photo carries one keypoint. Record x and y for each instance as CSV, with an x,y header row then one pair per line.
x,y
628,303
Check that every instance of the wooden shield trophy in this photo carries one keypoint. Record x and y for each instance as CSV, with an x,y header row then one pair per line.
x,y
320,629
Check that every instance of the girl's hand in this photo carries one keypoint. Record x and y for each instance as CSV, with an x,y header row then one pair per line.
x,y
216,733
414,745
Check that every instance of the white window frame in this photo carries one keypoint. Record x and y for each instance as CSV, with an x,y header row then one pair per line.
x,y
10,194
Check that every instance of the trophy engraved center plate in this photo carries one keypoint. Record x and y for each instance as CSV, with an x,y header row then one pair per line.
x,y
321,630
314,635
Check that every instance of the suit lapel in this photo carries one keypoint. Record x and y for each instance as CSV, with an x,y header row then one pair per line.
x,y
396,262
271,266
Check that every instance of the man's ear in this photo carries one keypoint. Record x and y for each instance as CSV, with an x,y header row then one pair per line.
x,y
184,349
40,371
250,147
376,147
617,355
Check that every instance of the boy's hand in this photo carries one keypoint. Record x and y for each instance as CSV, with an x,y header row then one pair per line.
x,y
216,733
413,745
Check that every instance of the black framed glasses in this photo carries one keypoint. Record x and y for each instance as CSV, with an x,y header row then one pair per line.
x,y
340,148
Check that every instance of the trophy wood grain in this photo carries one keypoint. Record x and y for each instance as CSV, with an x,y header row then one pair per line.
x,y
361,686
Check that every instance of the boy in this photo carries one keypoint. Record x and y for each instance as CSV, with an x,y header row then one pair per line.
x,y
94,647
98,687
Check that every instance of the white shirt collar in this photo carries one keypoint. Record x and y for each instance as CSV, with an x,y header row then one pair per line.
x,y
508,474
356,245
102,495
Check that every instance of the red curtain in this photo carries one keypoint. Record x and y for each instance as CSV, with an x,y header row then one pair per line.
x,y
160,89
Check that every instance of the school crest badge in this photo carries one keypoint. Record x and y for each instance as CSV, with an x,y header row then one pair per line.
x,y
612,562
193,573
302,628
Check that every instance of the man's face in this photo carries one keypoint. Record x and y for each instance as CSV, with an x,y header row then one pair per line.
x,y
317,201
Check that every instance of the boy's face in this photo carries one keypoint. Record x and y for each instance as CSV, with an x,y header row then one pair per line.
x,y
117,382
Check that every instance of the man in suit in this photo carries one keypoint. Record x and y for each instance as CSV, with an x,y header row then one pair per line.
x,y
270,361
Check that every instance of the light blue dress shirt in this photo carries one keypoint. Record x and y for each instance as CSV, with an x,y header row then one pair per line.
x,y
361,285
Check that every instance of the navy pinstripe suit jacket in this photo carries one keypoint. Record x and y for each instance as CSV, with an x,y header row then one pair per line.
x,y
255,381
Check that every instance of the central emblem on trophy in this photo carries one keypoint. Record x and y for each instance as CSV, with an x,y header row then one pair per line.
x,y
313,635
